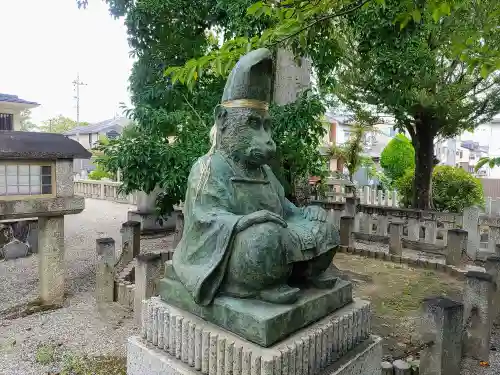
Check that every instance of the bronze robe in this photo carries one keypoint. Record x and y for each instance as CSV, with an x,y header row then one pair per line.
x,y
212,209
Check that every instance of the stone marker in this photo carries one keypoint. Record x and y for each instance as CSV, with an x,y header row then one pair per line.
x,y
396,238
251,288
442,325
478,314
346,231
105,273
456,242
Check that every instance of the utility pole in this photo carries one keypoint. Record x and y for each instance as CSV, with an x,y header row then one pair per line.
x,y
77,83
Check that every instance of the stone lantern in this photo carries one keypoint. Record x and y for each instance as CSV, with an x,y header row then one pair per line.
x,y
36,181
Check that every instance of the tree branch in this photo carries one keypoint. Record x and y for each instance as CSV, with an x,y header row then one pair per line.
x,y
325,18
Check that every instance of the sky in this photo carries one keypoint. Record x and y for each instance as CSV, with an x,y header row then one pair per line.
x,y
46,43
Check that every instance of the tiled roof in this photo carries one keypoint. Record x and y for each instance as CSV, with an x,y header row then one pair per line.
x,y
14,99
100,126
31,145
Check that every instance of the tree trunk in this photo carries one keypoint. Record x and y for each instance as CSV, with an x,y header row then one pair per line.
x,y
423,142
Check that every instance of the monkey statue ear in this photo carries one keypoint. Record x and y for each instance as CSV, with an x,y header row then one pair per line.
x,y
220,117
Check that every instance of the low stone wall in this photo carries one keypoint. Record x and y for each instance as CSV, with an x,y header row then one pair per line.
x,y
103,189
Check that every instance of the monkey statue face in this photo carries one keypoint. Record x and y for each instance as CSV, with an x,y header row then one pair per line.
x,y
245,135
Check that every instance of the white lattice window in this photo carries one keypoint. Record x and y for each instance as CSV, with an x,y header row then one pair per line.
x,y
26,179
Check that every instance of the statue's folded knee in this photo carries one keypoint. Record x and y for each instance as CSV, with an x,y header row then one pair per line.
x,y
257,257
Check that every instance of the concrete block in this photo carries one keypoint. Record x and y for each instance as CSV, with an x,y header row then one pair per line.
x,y
442,325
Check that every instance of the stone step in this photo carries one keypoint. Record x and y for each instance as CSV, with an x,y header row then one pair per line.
x,y
210,349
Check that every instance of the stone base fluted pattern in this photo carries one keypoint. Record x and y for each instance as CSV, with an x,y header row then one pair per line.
x,y
213,351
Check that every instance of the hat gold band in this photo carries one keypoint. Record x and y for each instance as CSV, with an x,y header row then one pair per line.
x,y
246,103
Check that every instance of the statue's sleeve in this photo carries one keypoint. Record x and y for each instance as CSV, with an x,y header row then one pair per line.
x,y
201,256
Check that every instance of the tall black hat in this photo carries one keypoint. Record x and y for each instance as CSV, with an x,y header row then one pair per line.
x,y
249,84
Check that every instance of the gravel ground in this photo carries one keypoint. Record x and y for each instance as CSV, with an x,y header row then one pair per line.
x,y
80,325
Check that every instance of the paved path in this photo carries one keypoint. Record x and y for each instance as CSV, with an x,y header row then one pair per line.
x,y
80,325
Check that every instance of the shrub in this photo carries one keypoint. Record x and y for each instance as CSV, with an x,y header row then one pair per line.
x,y
397,157
99,174
453,189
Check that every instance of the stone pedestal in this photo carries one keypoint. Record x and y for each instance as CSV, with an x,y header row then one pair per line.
x,y
174,341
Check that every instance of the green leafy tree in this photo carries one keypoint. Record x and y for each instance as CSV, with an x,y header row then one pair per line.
x,y
491,162
453,189
26,124
297,131
311,27
433,65
416,75
397,157
59,124
351,151
166,33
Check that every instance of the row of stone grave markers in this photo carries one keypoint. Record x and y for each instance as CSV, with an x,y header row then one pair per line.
x,y
421,230
453,332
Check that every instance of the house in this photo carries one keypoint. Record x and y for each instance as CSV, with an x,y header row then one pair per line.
x,y
89,135
11,107
338,131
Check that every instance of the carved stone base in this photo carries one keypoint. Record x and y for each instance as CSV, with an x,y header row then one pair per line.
x,y
257,321
176,342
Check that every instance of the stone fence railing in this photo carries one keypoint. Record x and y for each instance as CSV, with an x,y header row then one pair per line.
x,y
103,189
421,230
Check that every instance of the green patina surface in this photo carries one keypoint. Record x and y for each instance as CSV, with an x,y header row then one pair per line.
x,y
260,322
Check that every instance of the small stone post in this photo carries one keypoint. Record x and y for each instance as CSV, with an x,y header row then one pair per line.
x,y
478,296
350,210
395,238
401,367
387,368
105,273
147,267
456,240
413,229
471,225
493,268
382,222
493,238
346,229
131,243
394,198
430,232
51,259
442,324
